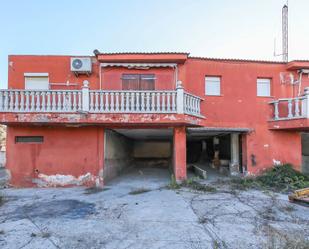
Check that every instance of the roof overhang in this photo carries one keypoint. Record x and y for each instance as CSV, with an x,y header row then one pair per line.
x,y
138,65
204,130
178,58
297,65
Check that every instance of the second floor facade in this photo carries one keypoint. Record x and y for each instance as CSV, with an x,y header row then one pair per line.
x,y
155,89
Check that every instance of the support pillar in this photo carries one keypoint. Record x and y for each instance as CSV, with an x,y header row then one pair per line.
x,y
234,166
180,154
100,157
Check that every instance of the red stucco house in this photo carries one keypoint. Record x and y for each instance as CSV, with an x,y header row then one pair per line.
x,y
75,120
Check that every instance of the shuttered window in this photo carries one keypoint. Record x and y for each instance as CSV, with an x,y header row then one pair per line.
x,y
138,82
36,83
212,85
263,87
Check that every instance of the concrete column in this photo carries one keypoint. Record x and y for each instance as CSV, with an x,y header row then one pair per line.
x,y
180,153
85,96
234,165
100,157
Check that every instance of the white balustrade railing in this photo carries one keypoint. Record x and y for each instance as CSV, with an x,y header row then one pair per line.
x,y
192,104
290,108
99,101
133,101
40,101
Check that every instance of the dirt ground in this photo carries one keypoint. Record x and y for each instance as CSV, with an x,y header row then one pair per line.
x,y
137,210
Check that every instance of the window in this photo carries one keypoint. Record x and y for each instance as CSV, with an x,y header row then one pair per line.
x,y
29,139
212,85
263,87
138,82
36,81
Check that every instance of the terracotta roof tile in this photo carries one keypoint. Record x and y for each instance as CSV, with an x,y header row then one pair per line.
x,y
236,60
143,53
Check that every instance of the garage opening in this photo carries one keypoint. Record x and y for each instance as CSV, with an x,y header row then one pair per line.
x,y
214,152
142,150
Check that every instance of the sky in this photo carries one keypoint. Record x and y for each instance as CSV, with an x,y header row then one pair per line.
x,y
207,28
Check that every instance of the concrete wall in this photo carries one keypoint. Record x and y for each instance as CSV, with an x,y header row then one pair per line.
x,y
152,149
152,153
118,154
67,156
2,159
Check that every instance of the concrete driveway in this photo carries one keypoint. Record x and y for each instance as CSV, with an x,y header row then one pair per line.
x,y
136,210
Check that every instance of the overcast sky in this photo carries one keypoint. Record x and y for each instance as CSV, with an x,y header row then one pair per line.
x,y
208,28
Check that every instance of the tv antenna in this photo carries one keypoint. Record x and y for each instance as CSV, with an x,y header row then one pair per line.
x,y
285,35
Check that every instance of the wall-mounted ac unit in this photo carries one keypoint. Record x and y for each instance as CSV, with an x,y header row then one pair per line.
x,y
81,65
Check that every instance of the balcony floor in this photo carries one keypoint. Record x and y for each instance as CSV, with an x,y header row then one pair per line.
x,y
112,119
301,124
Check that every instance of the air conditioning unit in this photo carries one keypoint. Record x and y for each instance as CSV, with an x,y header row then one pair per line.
x,y
81,65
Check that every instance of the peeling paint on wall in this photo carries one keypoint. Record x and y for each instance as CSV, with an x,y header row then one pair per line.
x,y
64,180
276,162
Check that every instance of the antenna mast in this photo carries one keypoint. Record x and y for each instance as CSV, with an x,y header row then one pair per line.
x,y
285,34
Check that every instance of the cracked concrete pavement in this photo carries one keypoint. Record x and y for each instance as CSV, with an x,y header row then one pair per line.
x,y
160,218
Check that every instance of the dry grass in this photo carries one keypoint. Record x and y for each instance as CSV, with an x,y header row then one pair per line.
x,y
94,190
277,239
139,191
192,183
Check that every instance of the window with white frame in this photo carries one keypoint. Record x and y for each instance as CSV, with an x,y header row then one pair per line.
x,y
36,81
212,85
263,87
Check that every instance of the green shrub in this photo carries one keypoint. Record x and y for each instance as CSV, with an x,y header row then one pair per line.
x,y
194,184
283,178
173,184
280,178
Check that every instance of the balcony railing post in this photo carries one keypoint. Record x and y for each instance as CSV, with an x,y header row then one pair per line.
x,y
180,98
85,96
290,105
276,106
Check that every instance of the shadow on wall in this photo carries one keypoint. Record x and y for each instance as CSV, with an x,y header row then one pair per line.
x,y
122,153
305,153
118,151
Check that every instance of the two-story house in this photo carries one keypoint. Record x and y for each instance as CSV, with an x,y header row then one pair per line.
x,y
75,120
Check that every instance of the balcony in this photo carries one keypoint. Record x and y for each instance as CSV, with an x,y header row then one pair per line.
x,y
291,113
94,102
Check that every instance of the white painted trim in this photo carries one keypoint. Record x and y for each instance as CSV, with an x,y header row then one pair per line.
x,y
95,101
36,74
129,65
